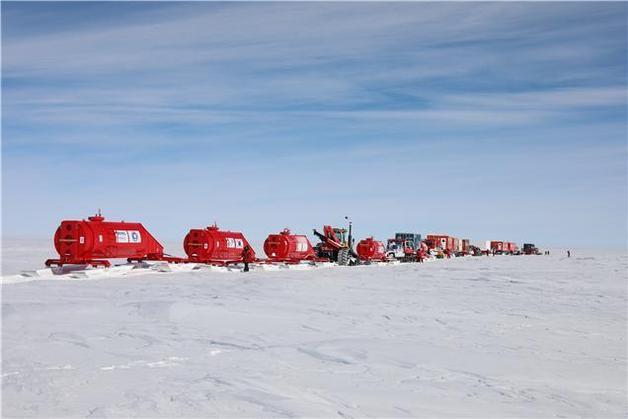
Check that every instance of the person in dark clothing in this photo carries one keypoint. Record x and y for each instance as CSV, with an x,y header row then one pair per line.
x,y
247,257
568,254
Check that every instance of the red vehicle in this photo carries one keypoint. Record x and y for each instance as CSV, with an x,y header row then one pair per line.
x,y
440,241
370,249
288,247
336,246
214,246
497,246
93,241
503,247
457,245
511,248
465,246
422,251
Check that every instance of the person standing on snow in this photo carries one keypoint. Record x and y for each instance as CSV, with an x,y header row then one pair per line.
x,y
568,254
247,257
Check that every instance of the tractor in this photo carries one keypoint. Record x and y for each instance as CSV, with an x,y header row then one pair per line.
x,y
336,245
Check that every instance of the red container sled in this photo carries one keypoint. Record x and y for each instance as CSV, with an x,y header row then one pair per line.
x,y
214,246
370,249
288,247
93,241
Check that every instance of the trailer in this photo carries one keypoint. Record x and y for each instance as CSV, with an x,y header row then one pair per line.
x,y
214,246
371,250
289,248
511,248
441,241
94,241
503,247
463,248
496,247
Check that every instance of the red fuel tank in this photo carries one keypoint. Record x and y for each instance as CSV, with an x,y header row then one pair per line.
x,y
288,247
371,249
212,245
92,240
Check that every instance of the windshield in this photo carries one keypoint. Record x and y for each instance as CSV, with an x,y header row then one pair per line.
x,y
340,233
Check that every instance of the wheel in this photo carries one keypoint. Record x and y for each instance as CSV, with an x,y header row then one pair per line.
x,y
343,257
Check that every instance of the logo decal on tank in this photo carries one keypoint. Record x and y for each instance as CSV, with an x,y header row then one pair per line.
x,y
234,243
128,236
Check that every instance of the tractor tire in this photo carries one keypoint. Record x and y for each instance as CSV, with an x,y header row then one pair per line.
x,y
343,257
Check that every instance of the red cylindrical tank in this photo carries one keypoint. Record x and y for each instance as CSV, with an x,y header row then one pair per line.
x,y
87,241
371,249
212,245
288,247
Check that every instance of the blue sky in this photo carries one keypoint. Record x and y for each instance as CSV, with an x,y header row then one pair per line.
x,y
482,120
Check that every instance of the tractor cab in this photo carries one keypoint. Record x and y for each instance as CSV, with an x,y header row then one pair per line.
x,y
339,235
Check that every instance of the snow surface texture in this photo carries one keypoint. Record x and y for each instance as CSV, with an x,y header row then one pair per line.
x,y
534,336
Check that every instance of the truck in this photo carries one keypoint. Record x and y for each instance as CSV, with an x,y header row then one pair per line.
x,y
403,247
530,249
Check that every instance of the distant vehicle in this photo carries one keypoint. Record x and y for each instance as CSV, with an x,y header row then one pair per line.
x,y
441,241
530,249
336,246
463,248
503,248
403,247
475,251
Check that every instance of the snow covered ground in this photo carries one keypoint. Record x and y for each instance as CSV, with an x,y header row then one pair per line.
x,y
535,336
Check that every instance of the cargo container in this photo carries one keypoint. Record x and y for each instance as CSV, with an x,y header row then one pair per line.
x,y
440,241
497,246
511,247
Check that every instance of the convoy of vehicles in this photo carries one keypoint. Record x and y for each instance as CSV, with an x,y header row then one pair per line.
x,y
95,241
